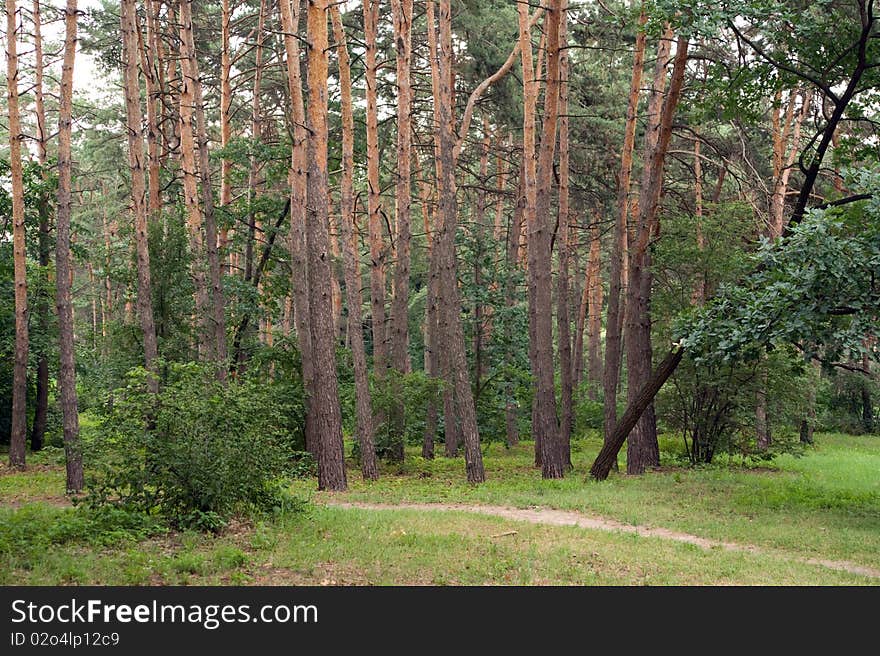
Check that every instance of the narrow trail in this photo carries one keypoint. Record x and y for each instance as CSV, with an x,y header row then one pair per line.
x,y
553,517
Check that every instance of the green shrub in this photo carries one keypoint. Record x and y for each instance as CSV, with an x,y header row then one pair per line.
x,y
195,452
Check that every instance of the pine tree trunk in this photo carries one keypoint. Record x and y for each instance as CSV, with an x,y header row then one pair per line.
x,y
148,66
617,277
18,436
290,21
41,408
432,326
607,457
215,322
225,111
868,422
563,322
194,221
240,354
63,267
501,169
808,423
580,328
511,409
540,232
530,100
478,237
437,340
325,401
134,120
351,261
449,302
786,129
374,200
429,326
402,11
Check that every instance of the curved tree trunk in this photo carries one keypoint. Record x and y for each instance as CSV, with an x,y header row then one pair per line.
x,y
607,457
642,448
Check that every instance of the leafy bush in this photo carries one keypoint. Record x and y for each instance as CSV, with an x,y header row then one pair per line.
x,y
195,452
712,406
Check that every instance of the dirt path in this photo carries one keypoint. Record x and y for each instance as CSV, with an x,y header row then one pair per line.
x,y
553,517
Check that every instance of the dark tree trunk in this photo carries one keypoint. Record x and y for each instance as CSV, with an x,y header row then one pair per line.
x,y
374,198
608,454
642,449
594,312
216,322
867,401
511,409
763,436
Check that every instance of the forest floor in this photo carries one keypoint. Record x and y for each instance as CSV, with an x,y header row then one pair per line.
x,y
807,519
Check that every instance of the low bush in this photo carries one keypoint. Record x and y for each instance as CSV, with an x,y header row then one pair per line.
x,y
195,452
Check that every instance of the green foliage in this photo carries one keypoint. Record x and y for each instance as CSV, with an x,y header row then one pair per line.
x,y
588,413
415,391
815,289
712,406
847,402
35,528
194,453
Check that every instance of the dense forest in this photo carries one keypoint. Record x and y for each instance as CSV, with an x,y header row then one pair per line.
x,y
273,236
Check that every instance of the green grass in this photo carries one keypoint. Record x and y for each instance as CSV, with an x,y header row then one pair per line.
x,y
825,503
359,547
822,505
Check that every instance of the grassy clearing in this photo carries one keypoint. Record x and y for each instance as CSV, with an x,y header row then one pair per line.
x,y
823,505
